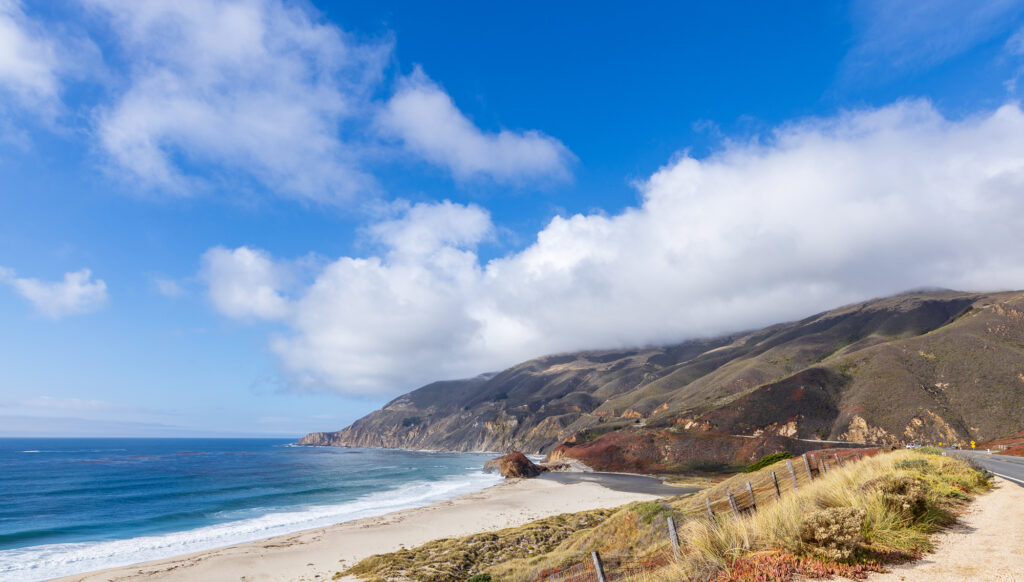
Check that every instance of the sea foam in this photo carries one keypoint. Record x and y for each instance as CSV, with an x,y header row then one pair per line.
x,y
55,560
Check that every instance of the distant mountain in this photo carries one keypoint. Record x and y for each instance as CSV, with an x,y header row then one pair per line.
x,y
924,366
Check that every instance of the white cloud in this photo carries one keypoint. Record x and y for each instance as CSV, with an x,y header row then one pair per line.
x,y
245,283
252,87
424,117
77,293
196,94
29,60
823,212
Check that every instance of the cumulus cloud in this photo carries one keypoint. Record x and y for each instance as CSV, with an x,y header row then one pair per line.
x,y
245,283
77,293
254,87
429,124
819,213
193,94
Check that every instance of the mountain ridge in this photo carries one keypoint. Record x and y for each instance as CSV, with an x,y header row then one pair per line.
x,y
920,366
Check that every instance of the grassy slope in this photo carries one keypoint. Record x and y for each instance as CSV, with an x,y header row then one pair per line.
x,y
896,525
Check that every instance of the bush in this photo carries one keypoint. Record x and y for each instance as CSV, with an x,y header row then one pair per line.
x,y
648,510
913,465
833,533
766,460
902,494
931,451
480,578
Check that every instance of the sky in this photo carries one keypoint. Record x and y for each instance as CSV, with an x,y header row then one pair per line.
x,y
270,217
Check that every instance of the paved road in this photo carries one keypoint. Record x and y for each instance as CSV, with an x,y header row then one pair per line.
x,y
1005,466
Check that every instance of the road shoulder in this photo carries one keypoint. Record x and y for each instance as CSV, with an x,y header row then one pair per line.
x,y
986,543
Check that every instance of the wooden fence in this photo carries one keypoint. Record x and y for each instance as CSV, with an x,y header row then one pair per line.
x,y
763,489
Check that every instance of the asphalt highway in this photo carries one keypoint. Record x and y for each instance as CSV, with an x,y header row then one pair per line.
x,y
1005,466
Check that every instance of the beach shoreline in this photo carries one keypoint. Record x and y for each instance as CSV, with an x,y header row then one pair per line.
x,y
318,554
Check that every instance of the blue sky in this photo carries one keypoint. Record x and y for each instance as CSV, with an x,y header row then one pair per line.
x,y
270,217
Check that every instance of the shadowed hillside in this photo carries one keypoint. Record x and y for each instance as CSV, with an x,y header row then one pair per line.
x,y
924,367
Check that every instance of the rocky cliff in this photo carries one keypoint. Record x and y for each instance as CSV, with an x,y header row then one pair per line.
x,y
924,367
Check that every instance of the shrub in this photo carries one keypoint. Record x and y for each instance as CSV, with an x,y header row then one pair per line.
x,y
766,460
411,421
902,494
648,510
912,465
931,451
833,533
480,578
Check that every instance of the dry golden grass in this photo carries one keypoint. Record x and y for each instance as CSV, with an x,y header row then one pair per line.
x,y
897,498
710,548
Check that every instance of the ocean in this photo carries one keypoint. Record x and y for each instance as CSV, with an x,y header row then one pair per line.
x,y
75,505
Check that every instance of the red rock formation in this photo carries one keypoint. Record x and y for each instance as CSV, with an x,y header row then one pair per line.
x,y
514,465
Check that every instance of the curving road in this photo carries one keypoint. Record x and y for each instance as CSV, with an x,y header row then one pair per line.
x,y
1005,466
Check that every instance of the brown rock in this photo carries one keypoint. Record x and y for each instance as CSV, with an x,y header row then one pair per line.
x,y
514,465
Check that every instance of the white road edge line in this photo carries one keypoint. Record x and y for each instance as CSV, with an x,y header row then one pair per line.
x,y
1008,478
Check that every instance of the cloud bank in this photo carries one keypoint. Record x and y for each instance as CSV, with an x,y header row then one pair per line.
x,y
821,212
76,294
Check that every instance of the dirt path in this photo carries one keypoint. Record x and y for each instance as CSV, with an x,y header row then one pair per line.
x,y
986,544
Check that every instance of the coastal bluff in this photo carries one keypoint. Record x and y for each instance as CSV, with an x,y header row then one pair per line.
x,y
935,366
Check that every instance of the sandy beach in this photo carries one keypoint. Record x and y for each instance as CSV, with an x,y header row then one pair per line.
x,y
317,554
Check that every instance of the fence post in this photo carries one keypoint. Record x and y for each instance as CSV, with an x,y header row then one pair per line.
x,y
792,474
599,567
674,538
732,504
807,465
775,480
711,514
753,501
839,463
821,467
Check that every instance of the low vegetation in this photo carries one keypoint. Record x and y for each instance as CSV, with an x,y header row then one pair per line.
x,y
853,519
767,460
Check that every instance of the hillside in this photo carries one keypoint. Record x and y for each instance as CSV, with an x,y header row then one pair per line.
x,y
923,367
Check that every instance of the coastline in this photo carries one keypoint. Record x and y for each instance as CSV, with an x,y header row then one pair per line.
x,y
317,554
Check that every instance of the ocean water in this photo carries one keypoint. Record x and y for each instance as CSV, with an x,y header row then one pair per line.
x,y
75,505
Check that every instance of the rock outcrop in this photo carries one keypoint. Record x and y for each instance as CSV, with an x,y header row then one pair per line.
x,y
514,465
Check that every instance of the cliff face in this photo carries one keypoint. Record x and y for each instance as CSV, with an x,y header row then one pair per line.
x,y
924,367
